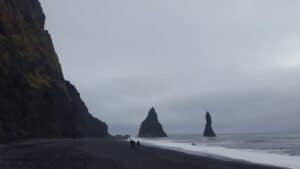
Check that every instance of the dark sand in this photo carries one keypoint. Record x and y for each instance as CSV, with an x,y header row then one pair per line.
x,y
104,154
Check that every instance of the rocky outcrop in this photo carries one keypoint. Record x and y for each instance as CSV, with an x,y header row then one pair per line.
x,y
208,131
35,99
151,127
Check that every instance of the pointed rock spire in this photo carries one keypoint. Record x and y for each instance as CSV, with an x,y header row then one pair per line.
x,y
151,126
208,131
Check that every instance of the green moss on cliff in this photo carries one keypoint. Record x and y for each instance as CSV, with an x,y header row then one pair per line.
x,y
35,99
32,43
37,80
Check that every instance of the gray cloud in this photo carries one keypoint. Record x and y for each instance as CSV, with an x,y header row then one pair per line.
x,y
238,59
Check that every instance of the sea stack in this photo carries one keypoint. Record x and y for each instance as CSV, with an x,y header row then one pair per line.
x,y
151,127
36,101
208,132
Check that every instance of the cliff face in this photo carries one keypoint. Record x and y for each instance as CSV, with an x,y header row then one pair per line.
x,y
151,127
35,99
208,131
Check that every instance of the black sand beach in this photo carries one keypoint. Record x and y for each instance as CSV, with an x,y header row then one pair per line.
x,y
104,154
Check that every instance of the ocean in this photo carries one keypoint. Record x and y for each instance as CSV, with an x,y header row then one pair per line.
x,y
271,149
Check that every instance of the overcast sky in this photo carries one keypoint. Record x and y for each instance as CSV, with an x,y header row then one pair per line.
x,y
238,59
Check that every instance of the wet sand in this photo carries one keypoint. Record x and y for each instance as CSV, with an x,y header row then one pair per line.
x,y
105,154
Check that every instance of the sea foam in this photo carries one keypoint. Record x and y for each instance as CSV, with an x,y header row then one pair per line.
x,y
255,156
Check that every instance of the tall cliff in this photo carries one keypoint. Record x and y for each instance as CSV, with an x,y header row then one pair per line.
x,y
208,131
151,126
35,99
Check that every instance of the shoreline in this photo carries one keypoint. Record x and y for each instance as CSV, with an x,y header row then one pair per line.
x,y
230,154
107,154
212,156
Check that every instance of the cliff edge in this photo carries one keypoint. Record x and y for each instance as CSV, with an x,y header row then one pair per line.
x,y
35,99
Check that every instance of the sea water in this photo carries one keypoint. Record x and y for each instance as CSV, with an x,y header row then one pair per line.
x,y
271,149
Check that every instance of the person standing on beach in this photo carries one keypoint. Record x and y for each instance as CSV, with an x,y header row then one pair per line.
x,y
132,144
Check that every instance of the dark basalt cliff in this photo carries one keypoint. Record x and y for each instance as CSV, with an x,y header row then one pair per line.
x,y
35,99
208,131
151,127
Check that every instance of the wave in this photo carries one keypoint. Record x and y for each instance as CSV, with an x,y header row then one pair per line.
x,y
255,156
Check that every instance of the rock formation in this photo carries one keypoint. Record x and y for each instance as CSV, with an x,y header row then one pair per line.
x,y
35,99
208,131
151,127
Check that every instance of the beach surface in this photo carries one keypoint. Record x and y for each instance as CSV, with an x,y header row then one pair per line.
x,y
106,154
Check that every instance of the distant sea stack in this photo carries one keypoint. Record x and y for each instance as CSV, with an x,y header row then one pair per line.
x,y
208,131
35,99
151,127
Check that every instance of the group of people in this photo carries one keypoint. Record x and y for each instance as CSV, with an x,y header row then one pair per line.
x,y
134,144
